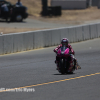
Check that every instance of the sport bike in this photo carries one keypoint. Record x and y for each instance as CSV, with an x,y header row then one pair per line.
x,y
66,62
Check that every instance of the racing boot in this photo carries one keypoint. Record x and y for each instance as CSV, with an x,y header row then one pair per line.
x,y
77,65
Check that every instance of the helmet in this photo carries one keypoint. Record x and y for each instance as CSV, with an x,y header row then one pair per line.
x,y
64,41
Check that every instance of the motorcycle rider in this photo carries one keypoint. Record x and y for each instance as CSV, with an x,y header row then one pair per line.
x,y
5,10
19,3
64,42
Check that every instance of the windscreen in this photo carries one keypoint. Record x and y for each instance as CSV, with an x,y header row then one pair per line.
x,y
63,48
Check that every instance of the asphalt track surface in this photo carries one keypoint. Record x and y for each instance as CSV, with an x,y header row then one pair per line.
x,y
36,69
32,23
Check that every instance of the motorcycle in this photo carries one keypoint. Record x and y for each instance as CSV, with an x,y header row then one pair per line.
x,y
66,62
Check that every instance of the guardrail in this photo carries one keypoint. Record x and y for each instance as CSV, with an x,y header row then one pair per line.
x,y
17,42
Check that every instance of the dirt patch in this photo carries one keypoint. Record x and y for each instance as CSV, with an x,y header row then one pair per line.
x,y
15,30
74,16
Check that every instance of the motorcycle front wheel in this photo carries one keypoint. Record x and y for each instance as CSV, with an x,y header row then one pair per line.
x,y
62,66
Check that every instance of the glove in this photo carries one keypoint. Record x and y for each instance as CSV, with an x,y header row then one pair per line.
x,y
56,51
70,52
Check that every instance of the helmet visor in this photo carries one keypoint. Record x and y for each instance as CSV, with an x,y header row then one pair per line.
x,y
64,44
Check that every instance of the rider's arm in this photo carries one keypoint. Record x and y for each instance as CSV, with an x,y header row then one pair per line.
x,y
70,47
56,49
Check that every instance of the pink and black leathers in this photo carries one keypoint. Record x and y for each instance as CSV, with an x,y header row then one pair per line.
x,y
69,46
65,59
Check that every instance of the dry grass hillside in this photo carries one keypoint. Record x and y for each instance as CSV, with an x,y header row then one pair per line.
x,y
68,16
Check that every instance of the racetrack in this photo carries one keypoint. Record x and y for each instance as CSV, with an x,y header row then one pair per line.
x,y
31,23
36,69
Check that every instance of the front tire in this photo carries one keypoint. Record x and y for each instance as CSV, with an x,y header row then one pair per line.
x,y
61,64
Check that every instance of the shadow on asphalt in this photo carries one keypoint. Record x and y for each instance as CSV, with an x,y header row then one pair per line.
x,y
3,21
65,74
